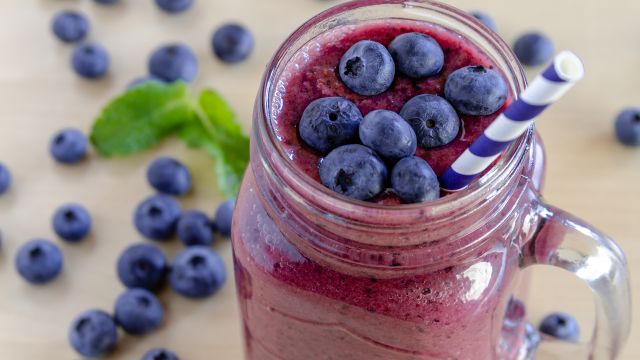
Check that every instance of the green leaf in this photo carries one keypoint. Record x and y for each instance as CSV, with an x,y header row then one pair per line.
x,y
141,117
216,130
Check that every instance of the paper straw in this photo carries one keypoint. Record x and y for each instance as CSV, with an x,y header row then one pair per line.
x,y
546,89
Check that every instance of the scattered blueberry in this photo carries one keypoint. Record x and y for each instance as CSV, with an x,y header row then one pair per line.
x,y
174,6
138,312
5,178
39,261
197,272
561,326
232,43
485,19
627,128
106,2
142,266
414,181
159,354
329,122
433,119
169,176
224,216
174,62
388,134
367,68
90,61
72,222
143,80
417,55
70,26
156,217
355,171
533,49
195,228
93,333
476,90
68,146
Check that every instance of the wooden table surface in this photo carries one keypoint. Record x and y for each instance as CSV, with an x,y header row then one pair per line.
x,y
588,172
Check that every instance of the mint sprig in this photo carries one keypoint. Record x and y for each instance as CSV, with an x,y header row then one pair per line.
x,y
146,114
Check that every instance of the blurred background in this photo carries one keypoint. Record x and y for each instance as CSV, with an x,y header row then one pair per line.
x,y
588,172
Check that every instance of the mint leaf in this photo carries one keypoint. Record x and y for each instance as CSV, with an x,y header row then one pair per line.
x,y
217,131
141,117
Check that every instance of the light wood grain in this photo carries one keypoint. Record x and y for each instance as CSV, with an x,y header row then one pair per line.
x,y
588,172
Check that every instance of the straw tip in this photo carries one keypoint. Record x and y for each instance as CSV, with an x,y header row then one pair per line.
x,y
568,66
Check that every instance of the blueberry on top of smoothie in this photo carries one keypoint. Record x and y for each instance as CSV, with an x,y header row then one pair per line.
x,y
476,90
367,68
355,171
417,55
414,181
329,122
433,119
388,134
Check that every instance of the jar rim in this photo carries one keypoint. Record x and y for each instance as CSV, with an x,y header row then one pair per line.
x,y
504,169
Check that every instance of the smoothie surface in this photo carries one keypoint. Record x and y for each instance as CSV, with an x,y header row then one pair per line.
x,y
312,74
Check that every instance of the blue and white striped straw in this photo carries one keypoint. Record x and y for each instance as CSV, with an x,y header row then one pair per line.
x,y
546,89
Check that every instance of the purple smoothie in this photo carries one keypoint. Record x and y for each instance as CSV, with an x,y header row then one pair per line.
x,y
312,74
301,304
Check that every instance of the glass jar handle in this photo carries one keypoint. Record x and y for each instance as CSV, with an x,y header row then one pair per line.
x,y
563,241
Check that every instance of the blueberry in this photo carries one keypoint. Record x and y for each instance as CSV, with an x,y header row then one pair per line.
x,y
169,176
627,128
143,80
476,90
355,171
224,217
329,122
232,43
5,179
106,2
195,228
156,217
533,49
174,6
90,61
414,181
561,326
93,333
434,120
39,261
174,62
417,55
367,68
197,272
142,266
159,354
72,222
68,146
70,26
138,312
388,134
485,19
